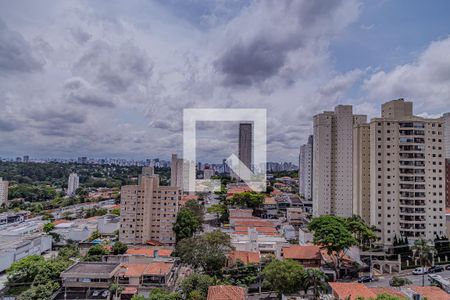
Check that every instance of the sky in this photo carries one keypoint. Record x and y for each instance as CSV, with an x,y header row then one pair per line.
x,y
111,78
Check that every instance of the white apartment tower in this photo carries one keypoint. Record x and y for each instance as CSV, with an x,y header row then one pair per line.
x,y
148,210
361,171
305,169
3,191
333,161
73,184
407,174
176,171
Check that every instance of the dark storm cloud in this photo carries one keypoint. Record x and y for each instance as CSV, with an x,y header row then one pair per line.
x,y
290,26
80,36
15,52
92,100
77,91
58,118
8,125
245,64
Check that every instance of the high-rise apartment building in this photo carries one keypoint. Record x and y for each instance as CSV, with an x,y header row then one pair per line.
x,y
148,210
305,166
407,174
3,191
333,161
245,144
73,184
447,182
361,171
176,171
446,126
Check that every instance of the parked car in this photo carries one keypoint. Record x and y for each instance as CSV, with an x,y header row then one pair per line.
x,y
447,267
420,271
435,269
96,293
364,279
105,293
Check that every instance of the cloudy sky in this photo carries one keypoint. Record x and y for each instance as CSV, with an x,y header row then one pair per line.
x,y
111,78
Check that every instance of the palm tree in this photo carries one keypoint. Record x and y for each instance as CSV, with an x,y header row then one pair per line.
x,y
424,251
315,279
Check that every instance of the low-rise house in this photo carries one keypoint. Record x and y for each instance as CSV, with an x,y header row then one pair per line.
x,y
289,232
150,251
77,230
108,225
307,255
226,292
305,236
245,257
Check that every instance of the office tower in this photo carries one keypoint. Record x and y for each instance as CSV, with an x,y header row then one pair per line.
x,y
18,159
73,184
361,171
26,159
333,161
246,144
407,174
148,210
305,169
225,166
446,126
3,192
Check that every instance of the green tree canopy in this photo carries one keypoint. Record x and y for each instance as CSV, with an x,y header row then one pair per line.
x,y
186,224
206,252
49,227
283,276
119,248
332,234
198,283
247,199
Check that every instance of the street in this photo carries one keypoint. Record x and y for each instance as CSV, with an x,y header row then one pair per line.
x,y
415,279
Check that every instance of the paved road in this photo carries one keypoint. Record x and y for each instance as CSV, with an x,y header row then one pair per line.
x,y
415,279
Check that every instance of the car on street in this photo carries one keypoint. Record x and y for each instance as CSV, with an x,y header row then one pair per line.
x,y
447,267
105,293
420,271
96,293
435,269
364,279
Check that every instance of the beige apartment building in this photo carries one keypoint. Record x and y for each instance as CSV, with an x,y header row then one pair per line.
x,y
407,174
333,161
361,171
3,191
148,210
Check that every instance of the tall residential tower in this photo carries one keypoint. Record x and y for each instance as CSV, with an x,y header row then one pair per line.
x,y
305,166
407,174
73,184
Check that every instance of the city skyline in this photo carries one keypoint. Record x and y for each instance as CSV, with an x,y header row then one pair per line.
x,y
112,81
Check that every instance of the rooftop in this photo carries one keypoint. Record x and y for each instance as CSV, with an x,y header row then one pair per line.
x,y
302,252
94,268
351,290
149,251
431,292
226,292
247,257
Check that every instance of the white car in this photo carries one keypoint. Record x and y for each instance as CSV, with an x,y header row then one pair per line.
x,y
420,271
96,293
105,293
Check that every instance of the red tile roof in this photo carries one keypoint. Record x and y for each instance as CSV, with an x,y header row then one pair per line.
x,y
302,252
351,290
149,252
431,292
226,292
246,257
153,268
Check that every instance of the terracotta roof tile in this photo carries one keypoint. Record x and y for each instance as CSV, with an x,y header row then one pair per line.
x,y
343,290
149,252
226,292
247,257
302,252
431,292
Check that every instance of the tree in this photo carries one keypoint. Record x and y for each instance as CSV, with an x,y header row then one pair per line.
x,y
48,227
25,270
221,211
119,248
95,235
96,252
196,285
283,276
399,281
332,234
196,208
206,252
159,294
247,199
68,251
363,233
424,252
116,211
186,224
316,280
40,292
